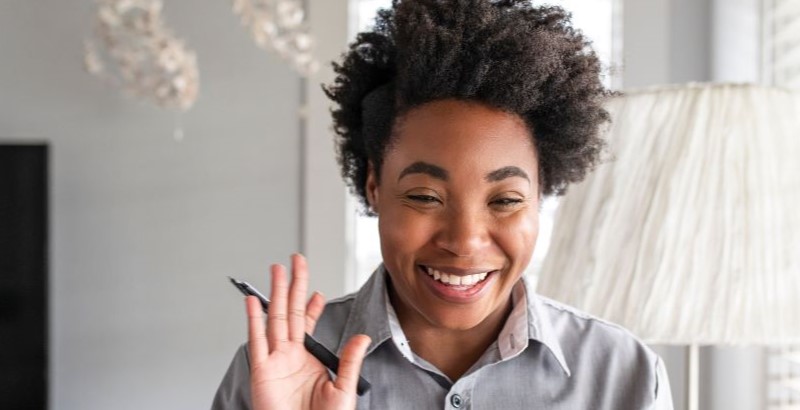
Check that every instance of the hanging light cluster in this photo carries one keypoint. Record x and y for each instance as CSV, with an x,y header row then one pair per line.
x,y
279,26
133,49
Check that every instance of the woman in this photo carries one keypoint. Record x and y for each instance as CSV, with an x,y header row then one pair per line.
x,y
454,118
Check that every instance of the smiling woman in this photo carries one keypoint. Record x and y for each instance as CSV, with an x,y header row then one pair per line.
x,y
454,118
458,219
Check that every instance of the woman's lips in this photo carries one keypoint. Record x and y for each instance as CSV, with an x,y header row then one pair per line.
x,y
449,286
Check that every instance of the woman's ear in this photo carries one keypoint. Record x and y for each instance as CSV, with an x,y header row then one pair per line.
x,y
371,188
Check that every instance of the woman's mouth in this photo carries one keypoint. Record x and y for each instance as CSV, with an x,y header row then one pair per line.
x,y
455,280
457,288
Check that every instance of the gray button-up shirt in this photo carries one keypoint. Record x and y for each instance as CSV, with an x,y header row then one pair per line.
x,y
547,356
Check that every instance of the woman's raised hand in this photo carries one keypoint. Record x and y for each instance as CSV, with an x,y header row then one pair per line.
x,y
283,374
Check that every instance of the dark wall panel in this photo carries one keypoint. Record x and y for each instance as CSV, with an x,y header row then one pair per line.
x,y
23,276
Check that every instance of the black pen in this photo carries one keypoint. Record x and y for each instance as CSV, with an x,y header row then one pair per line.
x,y
314,347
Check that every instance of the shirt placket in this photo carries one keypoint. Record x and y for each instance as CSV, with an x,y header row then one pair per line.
x,y
460,394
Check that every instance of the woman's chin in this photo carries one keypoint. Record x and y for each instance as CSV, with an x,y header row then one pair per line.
x,y
458,318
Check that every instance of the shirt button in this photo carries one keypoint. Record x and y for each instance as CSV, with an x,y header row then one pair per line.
x,y
456,400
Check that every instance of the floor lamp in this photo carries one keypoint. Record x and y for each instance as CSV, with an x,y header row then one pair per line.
x,y
689,234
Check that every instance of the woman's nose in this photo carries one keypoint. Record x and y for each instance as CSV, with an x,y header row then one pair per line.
x,y
463,233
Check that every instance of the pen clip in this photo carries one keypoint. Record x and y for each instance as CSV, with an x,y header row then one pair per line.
x,y
239,285
249,290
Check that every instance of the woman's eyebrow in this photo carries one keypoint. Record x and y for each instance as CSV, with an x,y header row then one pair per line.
x,y
420,167
506,172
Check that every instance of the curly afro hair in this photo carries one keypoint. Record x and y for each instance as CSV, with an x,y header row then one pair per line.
x,y
506,54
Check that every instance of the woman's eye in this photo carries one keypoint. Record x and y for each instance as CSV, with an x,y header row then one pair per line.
x,y
506,202
422,198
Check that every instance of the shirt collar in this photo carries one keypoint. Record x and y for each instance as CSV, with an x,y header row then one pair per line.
x,y
540,328
368,314
528,320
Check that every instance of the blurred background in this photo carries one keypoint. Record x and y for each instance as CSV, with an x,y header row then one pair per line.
x,y
122,213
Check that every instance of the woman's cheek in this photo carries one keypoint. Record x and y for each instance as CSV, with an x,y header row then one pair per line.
x,y
518,235
397,242
407,229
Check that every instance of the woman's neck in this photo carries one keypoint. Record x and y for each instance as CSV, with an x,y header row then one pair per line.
x,y
452,351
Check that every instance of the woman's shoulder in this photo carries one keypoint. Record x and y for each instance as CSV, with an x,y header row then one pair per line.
x,y
574,326
587,340
603,355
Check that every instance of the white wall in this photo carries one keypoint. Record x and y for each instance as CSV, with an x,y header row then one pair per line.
x,y
143,228
326,217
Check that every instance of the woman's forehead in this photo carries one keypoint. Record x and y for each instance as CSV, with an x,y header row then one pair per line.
x,y
453,112
457,126
452,133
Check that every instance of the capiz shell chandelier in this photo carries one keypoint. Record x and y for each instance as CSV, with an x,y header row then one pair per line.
x,y
133,49
279,26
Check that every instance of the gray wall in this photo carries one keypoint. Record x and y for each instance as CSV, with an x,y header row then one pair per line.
x,y
144,228
666,41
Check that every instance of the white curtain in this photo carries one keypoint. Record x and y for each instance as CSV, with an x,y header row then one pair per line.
x,y
688,234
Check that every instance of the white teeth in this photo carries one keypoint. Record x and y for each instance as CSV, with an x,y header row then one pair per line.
x,y
455,280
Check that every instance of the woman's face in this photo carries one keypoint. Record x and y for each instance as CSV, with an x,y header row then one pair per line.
x,y
457,204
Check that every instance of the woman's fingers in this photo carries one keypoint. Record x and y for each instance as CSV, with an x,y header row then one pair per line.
x,y
297,299
350,363
277,329
259,350
313,311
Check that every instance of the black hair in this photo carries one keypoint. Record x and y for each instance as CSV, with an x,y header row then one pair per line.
x,y
507,54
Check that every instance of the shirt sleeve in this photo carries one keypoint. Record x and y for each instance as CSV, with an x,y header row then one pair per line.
x,y
234,390
663,391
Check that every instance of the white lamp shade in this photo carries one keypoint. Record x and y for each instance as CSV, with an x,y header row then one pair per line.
x,y
689,234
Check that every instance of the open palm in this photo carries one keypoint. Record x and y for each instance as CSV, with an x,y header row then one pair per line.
x,y
283,374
